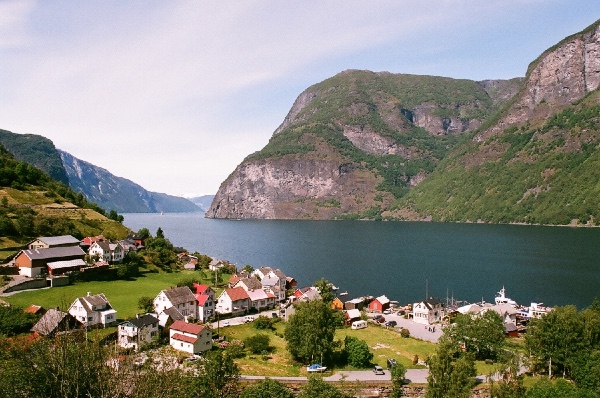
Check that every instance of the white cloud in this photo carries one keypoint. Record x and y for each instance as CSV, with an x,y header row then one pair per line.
x,y
13,17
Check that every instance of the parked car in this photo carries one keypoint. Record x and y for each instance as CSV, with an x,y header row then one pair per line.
x,y
391,363
380,320
387,312
377,317
316,367
248,318
391,323
378,370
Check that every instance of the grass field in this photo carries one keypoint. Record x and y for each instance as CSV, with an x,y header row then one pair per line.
x,y
383,343
123,295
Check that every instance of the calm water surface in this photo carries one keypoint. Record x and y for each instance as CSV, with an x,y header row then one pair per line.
x,y
553,265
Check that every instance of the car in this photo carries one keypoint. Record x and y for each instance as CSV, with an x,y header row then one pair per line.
x,y
387,312
378,370
391,323
391,363
376,317
248,318
380,320
316,367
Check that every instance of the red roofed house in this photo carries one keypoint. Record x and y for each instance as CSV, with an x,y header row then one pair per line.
x,y
234,301
380,304
190,337
205,296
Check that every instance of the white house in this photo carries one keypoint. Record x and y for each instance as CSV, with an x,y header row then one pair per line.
x,y
233,301
107,251
181,298
93,310
136,332
428,311
274,279
190,337
261,300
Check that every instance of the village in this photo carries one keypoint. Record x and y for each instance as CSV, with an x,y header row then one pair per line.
x,y
189,315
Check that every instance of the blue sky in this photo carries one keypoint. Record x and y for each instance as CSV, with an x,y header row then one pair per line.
x,y
174,94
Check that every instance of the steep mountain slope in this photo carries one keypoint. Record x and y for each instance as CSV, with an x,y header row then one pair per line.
x,y
354,143
378,145
37,151
540,161
34,204
117,193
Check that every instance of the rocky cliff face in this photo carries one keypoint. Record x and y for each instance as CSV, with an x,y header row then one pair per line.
x,y
560,76
360,143
116,193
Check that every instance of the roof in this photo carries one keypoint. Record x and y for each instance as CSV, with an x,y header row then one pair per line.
x,y
34,309
359,300
270,280
201,288
383,299
201,299
66,264
184,338
351,314
142,321
264,270
251,283
179,295
97,300
174,314
236,293
279,274
182,326
59,240
54,252
258,294
50,321
510,327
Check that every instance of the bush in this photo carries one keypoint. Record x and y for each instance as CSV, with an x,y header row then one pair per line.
x,y
259,343
405,333
263,322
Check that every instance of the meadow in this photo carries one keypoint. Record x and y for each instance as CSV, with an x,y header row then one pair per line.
x,y
123,295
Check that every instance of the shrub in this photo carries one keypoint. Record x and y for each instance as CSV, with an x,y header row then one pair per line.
x,y
258,344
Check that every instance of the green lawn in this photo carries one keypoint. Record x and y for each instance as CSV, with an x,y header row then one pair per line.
x,y
383,343
123,295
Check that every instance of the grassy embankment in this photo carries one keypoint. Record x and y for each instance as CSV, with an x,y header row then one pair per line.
x,y
122,294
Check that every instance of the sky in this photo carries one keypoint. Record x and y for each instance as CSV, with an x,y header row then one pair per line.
x,y
173,95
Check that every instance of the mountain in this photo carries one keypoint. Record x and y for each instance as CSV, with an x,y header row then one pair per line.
x,y
117,193
37,151
203,201
34,204
539,160
381,145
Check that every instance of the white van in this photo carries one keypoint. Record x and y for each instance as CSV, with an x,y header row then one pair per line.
x,y
359,324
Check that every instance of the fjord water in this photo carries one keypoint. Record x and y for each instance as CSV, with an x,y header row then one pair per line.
x,y
403,260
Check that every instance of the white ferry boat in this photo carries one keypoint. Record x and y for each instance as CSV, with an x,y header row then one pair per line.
x,y
502,299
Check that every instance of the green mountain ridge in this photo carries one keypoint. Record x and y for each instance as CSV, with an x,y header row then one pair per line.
x,y
34,204
385,146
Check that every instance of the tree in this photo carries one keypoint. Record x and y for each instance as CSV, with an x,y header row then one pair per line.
x,y
248,268
483,335
510,384
310,332
557,339
146,304
267,388
316,387
13,321
217,377
325,289
451,372
263,322
159,233
545,388
357,352
398,373
258,343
